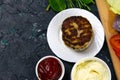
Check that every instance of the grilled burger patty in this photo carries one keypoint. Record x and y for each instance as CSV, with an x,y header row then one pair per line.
x,y
77,32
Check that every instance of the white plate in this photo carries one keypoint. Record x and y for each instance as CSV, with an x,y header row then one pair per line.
x,y
62,51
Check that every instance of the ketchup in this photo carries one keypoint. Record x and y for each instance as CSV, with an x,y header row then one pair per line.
x,y
49,69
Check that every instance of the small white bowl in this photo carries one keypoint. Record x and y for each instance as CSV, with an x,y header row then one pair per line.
x,y
91,67
61,63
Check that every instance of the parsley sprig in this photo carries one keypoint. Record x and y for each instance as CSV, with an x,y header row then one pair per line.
x,y
59,5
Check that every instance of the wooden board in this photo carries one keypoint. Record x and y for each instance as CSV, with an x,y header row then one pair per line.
x,y
107,17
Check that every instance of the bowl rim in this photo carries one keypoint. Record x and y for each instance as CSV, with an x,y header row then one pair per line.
x,y
48,56
91,58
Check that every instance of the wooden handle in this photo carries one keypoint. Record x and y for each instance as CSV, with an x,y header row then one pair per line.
x,y
107,17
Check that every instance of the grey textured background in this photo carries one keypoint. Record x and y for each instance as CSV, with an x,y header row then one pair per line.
x,y
23,26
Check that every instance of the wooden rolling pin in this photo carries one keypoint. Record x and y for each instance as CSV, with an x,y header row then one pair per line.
x,y
107,17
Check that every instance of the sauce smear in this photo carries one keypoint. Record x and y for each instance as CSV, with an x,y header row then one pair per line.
x,y
49,69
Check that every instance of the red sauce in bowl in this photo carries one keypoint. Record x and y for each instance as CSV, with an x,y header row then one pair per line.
x,y
49,69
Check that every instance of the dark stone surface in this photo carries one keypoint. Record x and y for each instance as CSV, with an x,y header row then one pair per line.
x,y
23,26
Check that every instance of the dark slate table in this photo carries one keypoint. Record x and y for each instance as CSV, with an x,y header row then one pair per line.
x,y
23,41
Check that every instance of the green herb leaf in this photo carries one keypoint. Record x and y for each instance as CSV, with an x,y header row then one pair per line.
x,y
57,5
88,1
70,4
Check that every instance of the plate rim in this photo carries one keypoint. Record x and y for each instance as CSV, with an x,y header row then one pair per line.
x,y
80,15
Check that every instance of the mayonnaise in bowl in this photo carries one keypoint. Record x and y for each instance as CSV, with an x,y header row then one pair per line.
x,y
90,69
